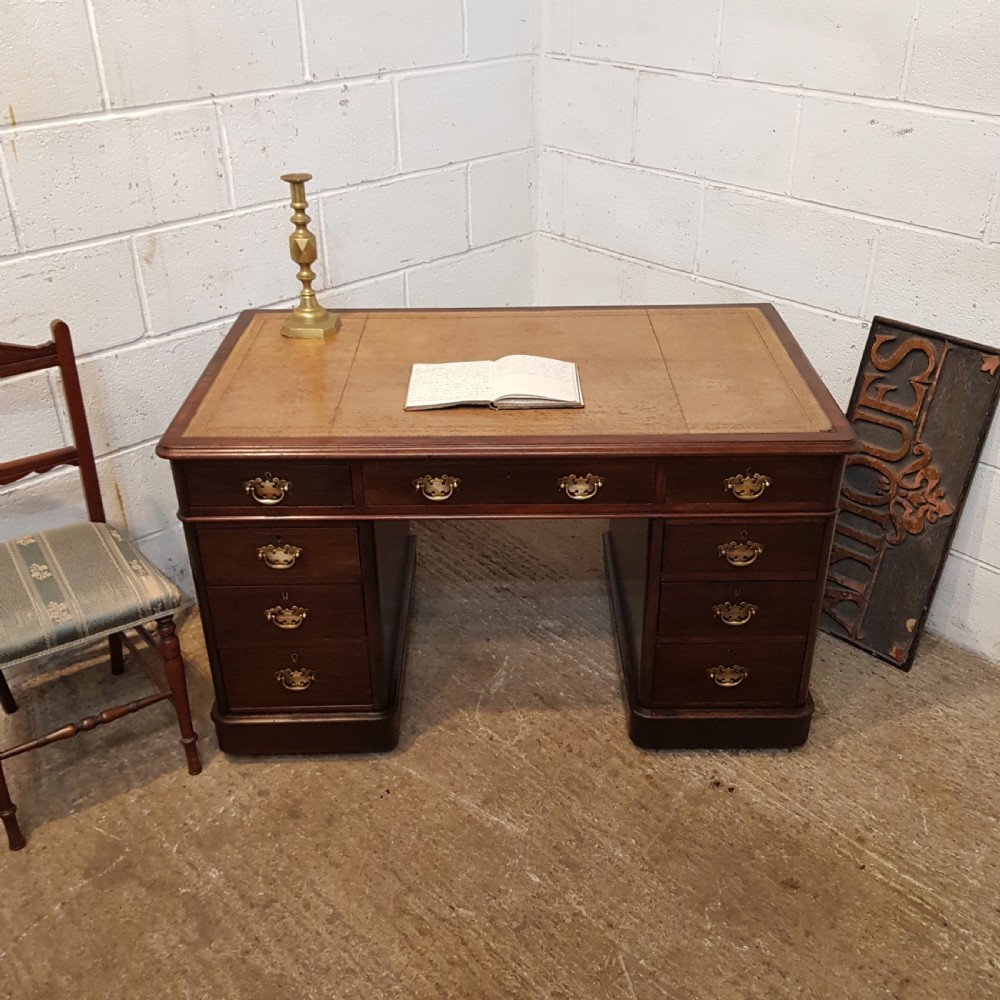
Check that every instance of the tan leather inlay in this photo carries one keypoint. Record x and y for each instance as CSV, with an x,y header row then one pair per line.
x,y
730,372
652,373
620,371
273,386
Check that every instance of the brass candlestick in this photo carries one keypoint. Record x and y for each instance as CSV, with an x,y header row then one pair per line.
x,y
309,318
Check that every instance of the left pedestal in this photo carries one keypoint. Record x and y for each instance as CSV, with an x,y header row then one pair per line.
x,y
304,614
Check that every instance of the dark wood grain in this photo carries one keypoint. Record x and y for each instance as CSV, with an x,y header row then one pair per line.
x,y
784,608
334,612
221,486
391,484
797,482
791,549
682,674
659,728
229,553
341,677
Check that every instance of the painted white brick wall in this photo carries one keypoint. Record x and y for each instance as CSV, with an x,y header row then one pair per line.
x,y
955,62
140,154
844,46
840,159
716,128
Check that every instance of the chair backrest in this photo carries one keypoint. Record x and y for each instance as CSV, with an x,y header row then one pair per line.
x,y
16,359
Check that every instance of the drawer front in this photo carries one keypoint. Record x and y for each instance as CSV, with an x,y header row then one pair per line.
x,y
722,674
297,678
755,483
729,612
333,613
266,485
279,554
742,550
416,484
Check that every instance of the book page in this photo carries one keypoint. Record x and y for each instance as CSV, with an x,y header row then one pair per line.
x,y
527,375
450,383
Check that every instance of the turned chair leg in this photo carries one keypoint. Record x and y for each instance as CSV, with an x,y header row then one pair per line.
x,y
173,666
8,813
7,701
117,659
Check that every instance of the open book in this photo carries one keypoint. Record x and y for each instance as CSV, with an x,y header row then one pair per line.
x,y
518,381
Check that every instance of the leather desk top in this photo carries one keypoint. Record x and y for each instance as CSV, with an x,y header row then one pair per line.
x,y
655,380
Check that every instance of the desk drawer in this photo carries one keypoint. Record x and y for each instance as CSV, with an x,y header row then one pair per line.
x,y
755,483
714,675
742,550
279,554
333,612
483,484
266,485
297,678
756,610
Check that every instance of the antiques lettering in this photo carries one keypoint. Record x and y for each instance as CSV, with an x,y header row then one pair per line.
x,y
893,490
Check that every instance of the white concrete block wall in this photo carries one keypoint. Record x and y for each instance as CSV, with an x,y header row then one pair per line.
x,y
140,154
840,159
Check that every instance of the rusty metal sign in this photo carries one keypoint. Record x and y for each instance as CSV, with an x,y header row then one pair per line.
x,y
921,408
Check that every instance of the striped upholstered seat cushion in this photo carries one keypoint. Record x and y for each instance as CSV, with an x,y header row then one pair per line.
x,y
72,584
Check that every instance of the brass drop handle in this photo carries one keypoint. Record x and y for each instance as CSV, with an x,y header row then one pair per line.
x,y
267,489
735,614
279,556
742,551
286,618
437,488
748,487
581,487
295,678
728,677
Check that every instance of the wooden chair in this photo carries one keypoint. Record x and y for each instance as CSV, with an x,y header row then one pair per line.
x,y
67,586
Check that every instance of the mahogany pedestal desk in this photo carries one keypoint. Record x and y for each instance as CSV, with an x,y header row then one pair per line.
x,y
707,441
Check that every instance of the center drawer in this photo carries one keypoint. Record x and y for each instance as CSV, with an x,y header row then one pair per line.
x,y
279,554
280,616
443,483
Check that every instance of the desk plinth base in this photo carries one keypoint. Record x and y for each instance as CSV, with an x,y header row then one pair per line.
x,y
357,732
712,729
692,728
329,732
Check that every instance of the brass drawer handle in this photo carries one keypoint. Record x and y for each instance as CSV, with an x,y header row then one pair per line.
x,y
742,551
295,678
728,677
279,556
292,617
735,614
437,488
267,490
747,487
581,487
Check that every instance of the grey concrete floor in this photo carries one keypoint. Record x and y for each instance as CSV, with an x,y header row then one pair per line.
x,y
516,844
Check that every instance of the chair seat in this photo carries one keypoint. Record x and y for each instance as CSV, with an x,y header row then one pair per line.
x,y
72,584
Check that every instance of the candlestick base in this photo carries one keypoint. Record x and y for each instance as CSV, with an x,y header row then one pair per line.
x,y
300,327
